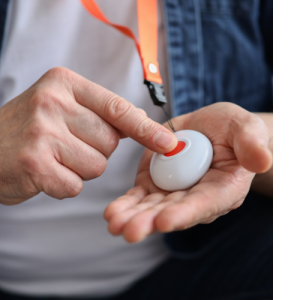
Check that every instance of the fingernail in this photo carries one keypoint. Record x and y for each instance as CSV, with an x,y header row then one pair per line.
x,y
163,139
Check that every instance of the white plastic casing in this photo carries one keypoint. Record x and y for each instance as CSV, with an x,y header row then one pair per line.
x,y
184,169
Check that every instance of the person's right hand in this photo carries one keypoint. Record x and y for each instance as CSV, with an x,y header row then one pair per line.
x,y
61,131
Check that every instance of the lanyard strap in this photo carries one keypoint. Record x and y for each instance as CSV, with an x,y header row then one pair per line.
x,y
147,47
147,24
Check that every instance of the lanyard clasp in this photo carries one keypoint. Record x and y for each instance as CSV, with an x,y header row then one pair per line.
x,y
157,93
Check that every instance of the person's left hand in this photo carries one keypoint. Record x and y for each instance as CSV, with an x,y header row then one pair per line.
x,y
239,139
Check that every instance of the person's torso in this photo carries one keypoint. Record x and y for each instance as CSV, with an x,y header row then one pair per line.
x,y
216,52
51,247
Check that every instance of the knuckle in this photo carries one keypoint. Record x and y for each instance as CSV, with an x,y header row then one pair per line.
x,y
244,120
256,119
253,120
58,73
45,99
117,107
109,134
36,130
237,121
112,144
236,205
213,211
50,101
142,112
60,188
96,169
30,160
73,189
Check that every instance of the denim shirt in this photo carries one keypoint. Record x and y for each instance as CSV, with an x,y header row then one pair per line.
x,y
218,50
221,50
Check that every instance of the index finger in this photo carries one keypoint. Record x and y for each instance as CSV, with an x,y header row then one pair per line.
x,y
124,116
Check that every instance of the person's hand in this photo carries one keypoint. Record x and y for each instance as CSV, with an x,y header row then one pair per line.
x,y
239,140
61,131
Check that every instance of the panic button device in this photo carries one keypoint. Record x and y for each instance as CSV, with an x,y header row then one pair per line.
x,y
184,166
180,146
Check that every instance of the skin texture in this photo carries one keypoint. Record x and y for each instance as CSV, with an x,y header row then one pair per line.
x,y
263,183
61,131
240,144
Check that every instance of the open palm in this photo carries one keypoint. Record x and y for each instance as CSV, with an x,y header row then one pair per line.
x,y
239,141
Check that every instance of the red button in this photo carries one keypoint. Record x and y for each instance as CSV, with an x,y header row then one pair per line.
x,y
180,146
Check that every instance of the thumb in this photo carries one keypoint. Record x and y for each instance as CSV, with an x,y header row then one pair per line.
x,y
250,142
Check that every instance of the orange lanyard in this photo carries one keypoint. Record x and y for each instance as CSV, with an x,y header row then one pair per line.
x,y
147,47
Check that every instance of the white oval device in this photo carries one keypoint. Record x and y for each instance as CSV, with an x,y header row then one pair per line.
x,y
185,165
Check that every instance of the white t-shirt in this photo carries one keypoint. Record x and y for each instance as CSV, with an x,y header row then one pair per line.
x,y
51,247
